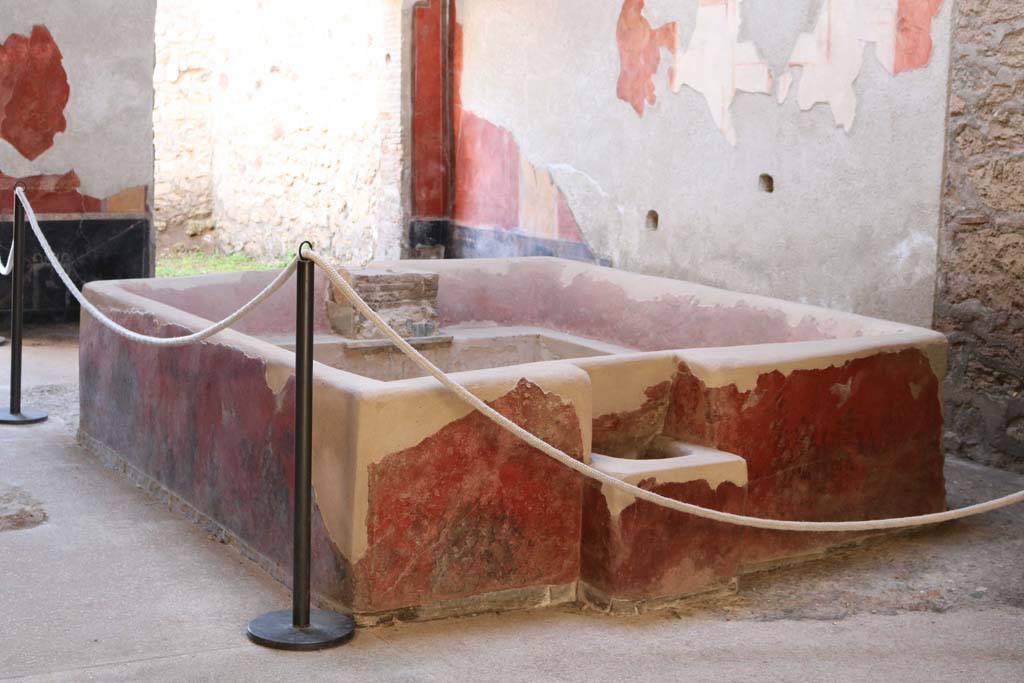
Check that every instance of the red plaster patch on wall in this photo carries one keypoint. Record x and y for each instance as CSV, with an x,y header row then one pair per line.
x,y
487,178
33,92
495,187
640,54
914,33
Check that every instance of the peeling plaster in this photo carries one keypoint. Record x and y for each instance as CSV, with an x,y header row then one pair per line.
x,y
911,246
404,413
701,463
832,55
717,65
277,377
841,391
556,90
620,382
741,366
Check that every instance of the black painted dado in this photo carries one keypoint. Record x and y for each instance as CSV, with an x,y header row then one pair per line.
x,y
429,232
461,241
88,249
469,242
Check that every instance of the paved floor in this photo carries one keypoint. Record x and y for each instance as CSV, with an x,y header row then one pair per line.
x,y
99,582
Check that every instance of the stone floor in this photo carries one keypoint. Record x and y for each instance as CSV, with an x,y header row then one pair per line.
x,y
100,582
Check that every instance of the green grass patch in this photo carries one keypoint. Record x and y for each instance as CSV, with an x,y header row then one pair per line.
x,y
198,263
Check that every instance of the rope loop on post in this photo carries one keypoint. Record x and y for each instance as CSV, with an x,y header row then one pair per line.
x,y
6,268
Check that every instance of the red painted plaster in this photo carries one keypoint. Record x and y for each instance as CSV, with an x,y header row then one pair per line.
x,y
49,194
914,33
201,420
487,174
457,64
33,92
626,434
640,48
488,168
856,441
472,509
429,156
652,552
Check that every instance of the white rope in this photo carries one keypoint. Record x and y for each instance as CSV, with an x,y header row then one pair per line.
x,y
644,494
465,395
6,268
135,336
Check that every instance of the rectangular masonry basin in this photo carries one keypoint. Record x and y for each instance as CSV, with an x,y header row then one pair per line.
x,y
424,508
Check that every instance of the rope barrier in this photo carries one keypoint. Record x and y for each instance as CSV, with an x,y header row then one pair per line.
x,y
473,401
643,494
199,336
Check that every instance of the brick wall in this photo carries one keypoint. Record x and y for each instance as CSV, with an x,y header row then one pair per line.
x,y
980,290
406,300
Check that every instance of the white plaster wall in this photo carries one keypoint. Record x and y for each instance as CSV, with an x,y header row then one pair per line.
x,y
853,221
306,127
107,49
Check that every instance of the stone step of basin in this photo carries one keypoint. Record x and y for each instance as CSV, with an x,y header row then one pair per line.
x,y
675,462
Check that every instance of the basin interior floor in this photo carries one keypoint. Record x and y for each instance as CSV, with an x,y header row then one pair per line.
x,y
99,581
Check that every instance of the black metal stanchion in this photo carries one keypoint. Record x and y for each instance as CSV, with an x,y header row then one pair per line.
x,y
14,414
301,628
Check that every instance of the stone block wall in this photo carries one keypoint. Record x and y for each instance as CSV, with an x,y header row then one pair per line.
x,y
183,80
980,289
276,125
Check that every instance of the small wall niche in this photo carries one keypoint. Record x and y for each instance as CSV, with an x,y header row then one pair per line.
x,y
766,183
652,220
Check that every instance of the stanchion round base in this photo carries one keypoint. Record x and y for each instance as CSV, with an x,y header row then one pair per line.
x,y
25,417
326,629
